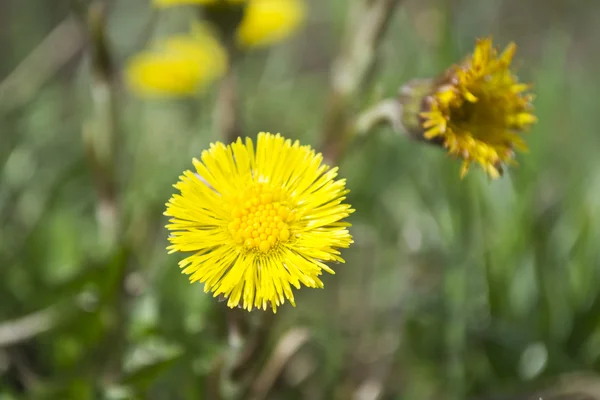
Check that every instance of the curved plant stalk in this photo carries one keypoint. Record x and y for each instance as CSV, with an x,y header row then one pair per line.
x,y
351,71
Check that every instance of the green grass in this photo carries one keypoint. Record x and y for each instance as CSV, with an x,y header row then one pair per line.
x,y
454,289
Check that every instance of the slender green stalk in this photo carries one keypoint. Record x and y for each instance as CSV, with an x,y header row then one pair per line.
x,y
100,129
227,113
100,134
352,71
455,278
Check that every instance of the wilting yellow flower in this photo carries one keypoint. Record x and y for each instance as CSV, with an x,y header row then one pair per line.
x,y
479,109
259,219
269,21
178,66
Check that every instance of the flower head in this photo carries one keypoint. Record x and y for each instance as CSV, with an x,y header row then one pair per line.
x,y
478,109
264,22
178,66
259,220
269,21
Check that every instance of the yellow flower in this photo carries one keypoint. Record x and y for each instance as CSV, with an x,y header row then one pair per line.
x,y
264,23
269,21
180,65
259,219
479,109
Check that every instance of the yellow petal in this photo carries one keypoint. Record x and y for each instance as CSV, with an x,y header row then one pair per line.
x,y
508,53
446,96
492,171
464,169
520,87
482,51
522,119
470,97
433,132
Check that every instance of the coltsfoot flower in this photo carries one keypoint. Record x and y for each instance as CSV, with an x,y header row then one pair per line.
x,y
178,66
264,22
260,220
184,64
478,110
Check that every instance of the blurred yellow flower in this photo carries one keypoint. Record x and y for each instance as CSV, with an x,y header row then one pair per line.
x,y
269,21
180,65
478,110
264,23
259,219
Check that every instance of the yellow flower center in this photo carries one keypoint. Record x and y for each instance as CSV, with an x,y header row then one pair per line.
x,y
484,118
261,220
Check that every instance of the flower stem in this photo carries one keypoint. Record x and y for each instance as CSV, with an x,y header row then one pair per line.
x,y
100,136
227,118
100,129
351,71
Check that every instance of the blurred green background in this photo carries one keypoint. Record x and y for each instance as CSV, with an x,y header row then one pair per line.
x,y
454,289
